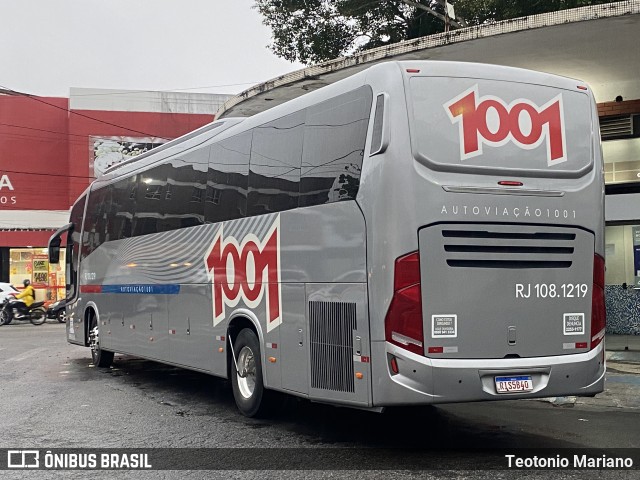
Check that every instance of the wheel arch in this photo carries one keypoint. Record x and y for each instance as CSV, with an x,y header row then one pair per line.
x,y
90,309
239,320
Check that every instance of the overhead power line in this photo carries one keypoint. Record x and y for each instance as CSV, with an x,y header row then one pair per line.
x,y
37,99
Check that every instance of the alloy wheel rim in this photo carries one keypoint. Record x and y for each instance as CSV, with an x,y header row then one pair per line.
x,y
246,372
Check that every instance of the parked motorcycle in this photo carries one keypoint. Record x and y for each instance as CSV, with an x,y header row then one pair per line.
x,y
36,313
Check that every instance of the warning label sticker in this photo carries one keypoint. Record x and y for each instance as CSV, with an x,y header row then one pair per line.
x,y
573,323
444,326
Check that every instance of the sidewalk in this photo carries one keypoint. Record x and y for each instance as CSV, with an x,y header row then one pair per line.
x,y
623,348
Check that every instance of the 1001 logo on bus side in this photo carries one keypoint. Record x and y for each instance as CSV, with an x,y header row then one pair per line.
x,y
245,270
490,120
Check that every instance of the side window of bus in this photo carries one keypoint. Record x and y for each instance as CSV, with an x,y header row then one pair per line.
x,y
274,176
96,220
183,200
150,200
334,138
228,179
122,208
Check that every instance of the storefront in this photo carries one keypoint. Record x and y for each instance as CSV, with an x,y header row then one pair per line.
x,y
33,264
621,152
70,142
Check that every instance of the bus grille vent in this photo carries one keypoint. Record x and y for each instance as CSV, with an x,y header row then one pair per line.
x,y
481,248
331,331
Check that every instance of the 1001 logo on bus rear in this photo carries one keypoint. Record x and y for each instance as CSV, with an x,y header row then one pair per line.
x,y
489,120
246,270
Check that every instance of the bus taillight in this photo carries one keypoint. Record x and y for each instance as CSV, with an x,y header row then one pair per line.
x,y
403,324
598,314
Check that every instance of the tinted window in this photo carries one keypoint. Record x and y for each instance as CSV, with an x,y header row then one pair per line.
x,y
334,138
228,179
96,220
183,198
276,153
124,193
152,185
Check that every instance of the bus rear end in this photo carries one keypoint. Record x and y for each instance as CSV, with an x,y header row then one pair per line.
x,y
496,282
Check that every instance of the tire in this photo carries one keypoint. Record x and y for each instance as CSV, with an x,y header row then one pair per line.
x,y
5,317
38,316
101,358
248,391
61,316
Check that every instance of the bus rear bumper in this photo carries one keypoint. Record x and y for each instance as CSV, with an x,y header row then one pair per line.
x,y
424,380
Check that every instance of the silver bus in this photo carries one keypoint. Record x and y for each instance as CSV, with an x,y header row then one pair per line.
x,y
417,233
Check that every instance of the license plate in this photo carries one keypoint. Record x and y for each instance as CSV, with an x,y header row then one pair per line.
x,y
521,383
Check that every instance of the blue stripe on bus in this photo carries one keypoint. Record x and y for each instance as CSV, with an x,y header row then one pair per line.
x,y
142,289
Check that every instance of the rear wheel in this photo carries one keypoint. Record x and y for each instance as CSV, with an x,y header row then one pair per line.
x,y
61,316
101,358
246,381
5,317
38,316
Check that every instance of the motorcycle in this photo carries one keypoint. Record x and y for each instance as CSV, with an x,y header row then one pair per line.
x,y
35,313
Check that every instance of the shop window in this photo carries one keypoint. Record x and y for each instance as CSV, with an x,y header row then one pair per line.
x,y
32,264
622,252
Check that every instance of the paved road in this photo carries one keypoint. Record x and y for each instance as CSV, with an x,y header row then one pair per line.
x,y
53,397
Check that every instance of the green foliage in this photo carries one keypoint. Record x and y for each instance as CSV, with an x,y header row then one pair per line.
x,y
313,31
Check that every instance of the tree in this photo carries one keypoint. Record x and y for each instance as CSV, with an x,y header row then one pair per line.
x,y
313,31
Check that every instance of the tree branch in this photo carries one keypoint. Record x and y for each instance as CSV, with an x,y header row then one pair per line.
x,y
430,11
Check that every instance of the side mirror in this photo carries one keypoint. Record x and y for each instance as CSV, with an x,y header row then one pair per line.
x,y
55,242
54,250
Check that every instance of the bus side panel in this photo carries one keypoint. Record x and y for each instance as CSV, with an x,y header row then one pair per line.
x,y
294,343
339,368
75,324
116,310
150,326
191,331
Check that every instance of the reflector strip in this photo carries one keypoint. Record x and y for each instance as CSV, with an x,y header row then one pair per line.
x,y
581,345
598,336
413,70
450,350
220,338
435,350
510,183
404,339
172,332
272,345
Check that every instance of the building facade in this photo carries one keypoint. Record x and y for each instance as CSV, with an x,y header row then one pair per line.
x,y
52,148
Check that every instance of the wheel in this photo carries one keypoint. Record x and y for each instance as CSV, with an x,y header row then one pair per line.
x,y
246,381
101,358
38,316
61,316
5,316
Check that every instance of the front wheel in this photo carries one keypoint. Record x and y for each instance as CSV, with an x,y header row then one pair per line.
x,y
61,316
101,358
38,316
246,380
5,317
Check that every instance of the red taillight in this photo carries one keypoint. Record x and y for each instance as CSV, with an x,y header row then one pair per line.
x,y
510,183
598,313
403,324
